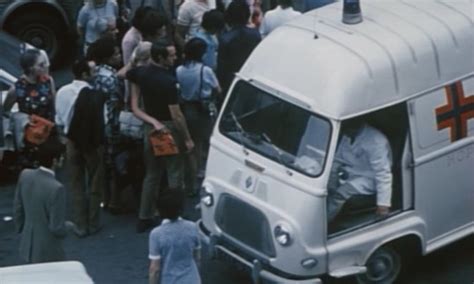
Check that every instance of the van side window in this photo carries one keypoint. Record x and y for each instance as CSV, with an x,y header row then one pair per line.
x,y
365,184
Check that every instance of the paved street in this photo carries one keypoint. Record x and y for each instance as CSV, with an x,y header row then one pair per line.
x,y
117,254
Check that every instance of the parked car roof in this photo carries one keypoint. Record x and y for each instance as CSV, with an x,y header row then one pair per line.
x,y
10,54
52,272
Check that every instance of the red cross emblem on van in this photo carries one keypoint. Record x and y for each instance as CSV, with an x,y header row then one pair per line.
x,y
457,112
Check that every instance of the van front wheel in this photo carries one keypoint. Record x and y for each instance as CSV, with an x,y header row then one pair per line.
x,y
383,267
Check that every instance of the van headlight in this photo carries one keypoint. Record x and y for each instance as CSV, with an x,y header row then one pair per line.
x,y
282,235
207,197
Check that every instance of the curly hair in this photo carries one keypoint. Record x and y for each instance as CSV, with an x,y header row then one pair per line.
x,y
28,60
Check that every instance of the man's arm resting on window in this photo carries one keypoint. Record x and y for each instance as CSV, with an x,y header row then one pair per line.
x,y
380,163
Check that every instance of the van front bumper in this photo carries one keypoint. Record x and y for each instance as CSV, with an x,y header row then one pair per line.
x,y
257,272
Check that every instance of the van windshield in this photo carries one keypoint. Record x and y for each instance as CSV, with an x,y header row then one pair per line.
x,y
276,129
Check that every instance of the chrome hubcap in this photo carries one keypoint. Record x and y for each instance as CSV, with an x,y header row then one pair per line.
x,y
382,267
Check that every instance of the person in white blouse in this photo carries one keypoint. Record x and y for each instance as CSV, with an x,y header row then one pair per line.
x,y
274,18
362,166
67,95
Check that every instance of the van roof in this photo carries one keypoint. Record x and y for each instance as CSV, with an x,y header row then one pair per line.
x,y
401,49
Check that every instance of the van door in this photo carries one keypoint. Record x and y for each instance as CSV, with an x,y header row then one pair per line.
x,y
442,132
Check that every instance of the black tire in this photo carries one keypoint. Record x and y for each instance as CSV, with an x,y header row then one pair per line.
x,y
383,267
43,30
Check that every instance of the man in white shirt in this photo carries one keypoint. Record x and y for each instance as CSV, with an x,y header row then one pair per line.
x,y
67,95
133,36
274,18
189,19
85,165
362,166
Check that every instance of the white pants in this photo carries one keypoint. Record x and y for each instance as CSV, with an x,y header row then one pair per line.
x,y
337,198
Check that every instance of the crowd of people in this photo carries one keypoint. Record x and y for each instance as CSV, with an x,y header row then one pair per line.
x,y
165,71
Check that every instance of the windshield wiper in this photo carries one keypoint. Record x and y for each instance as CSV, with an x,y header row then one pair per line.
x,y
278,151
241,132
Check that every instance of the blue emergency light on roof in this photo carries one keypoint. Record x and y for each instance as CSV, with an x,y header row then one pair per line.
x,y
351,14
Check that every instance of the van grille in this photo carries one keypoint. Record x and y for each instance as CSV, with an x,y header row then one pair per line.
x,y
244,223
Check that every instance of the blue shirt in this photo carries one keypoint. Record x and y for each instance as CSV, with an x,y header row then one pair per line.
x,y
196,81
174,243
94,20
210,57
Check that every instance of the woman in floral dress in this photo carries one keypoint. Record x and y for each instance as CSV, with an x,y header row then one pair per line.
x,y
34,93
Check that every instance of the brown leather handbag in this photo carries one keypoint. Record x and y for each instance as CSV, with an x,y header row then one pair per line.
x,y
38,130
163,143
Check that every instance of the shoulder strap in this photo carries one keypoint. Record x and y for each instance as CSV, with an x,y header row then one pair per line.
x,y
200,81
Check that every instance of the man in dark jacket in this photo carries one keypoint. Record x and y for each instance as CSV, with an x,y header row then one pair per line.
x,y
235,45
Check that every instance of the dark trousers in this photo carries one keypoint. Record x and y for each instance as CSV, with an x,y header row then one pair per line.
x,y
199,125
87,181
155,168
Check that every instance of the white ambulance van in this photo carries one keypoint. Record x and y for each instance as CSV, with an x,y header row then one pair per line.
x,y
408,69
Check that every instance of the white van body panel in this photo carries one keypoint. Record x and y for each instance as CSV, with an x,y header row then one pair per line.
x,y
443,165
354,248
399,51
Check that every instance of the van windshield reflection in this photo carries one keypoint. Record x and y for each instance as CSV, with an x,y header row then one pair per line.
x,y
276,129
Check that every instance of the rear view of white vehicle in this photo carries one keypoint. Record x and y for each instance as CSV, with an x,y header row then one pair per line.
x,y
406,68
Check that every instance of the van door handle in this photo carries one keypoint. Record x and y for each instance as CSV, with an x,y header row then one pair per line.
x,y
254,166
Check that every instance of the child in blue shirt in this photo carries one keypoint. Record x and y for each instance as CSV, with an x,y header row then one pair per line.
x,y
174,246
